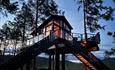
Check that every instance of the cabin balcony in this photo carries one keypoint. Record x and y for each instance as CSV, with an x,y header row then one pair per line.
x,y
92,40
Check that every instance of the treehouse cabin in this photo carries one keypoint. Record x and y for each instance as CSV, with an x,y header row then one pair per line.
x,y
55,26
58,27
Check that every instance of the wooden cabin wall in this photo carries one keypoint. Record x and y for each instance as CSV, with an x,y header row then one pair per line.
x,y
58,28
61,29
47,29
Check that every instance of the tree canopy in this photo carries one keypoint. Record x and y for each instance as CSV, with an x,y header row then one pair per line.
x,y
27,18
95,10
7,6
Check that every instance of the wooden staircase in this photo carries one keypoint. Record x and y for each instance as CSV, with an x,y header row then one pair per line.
x,y
82,59
87,58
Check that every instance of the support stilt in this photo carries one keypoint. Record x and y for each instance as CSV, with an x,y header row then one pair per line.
x,y
63,61
49,67
57,56
53,63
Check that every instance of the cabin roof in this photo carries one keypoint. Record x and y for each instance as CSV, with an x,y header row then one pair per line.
x,y
54,17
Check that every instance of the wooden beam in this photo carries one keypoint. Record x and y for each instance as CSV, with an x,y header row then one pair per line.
x,y
49,67
57,57
63,61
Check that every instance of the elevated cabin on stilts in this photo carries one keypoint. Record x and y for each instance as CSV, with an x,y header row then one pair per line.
x,y
57,26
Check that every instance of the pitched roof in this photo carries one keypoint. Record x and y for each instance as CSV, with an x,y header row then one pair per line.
x,y
54,17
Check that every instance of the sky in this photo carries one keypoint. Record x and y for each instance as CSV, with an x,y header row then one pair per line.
x,y
75,18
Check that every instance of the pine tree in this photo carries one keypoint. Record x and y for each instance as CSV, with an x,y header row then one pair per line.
x,y
7,7
95,10
29,16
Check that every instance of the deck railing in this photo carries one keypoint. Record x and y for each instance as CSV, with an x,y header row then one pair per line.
x,y
81,36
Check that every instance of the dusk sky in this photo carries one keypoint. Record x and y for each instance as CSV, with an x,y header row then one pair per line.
x,y
75,18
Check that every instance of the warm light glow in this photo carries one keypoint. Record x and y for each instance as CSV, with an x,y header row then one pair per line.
x,y
85,61
57,32
48,29
84,43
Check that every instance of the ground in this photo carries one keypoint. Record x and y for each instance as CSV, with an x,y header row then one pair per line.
x,y
75,66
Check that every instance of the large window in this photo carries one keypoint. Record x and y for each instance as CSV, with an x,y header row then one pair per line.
x,y
57,31
48,28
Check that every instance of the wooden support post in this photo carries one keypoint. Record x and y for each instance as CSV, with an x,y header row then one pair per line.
x,y
57,65
49,62
53,64
63,61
